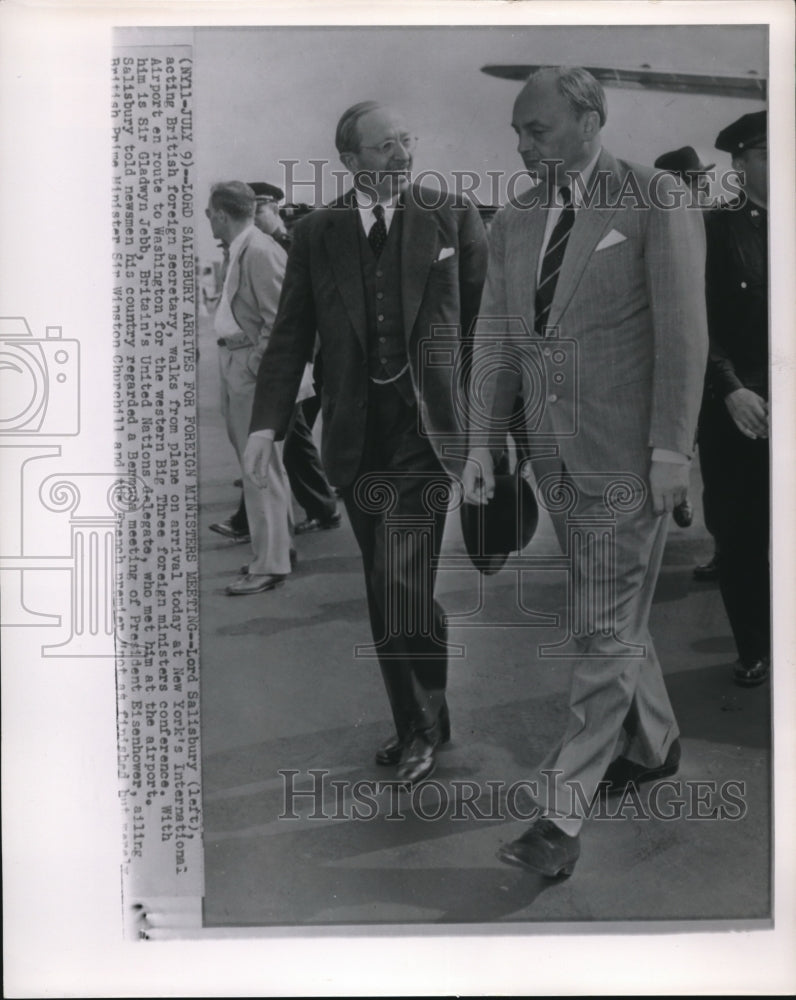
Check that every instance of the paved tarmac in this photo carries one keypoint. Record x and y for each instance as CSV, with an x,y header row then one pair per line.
x,y
283,692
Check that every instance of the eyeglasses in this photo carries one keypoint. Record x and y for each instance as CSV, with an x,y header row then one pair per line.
x,y
390,146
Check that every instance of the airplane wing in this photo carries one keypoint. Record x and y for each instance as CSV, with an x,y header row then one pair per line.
x,y
645,78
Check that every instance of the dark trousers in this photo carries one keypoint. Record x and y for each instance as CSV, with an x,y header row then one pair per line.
x,y
308,481
706,469
737,471
397,509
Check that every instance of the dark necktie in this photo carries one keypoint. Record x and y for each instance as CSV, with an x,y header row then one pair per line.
x,y
377,236
553,258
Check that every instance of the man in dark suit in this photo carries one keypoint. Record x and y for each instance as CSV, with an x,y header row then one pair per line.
x,y
374,273
618,276
733,425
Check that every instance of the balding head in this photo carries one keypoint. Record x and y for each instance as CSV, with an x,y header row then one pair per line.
x,y
557,116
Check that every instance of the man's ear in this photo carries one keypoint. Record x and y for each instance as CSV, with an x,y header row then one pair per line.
x,y
590,124
349,161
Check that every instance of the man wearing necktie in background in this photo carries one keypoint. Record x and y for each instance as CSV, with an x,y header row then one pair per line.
x,y
605,256
374,273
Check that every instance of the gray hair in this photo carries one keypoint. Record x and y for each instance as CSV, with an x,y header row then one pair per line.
x,y
346,138
233,197
579,87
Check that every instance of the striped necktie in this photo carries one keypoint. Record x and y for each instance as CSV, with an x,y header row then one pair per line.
x,y
377,236
551,263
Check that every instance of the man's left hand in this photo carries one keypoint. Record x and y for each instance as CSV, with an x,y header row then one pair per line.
x,y
668,485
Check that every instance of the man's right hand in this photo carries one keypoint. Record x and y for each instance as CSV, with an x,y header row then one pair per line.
x,y
479,477
257,458
749,413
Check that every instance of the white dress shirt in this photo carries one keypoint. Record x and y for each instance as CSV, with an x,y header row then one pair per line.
x,y
365,209
555,210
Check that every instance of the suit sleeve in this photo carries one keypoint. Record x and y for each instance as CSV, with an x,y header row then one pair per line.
x,y
495,379
290,346
266,274
674,256
473,255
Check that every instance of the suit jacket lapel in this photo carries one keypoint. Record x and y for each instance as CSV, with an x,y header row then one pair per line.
x,y
418,244
342,245
523,253
590,224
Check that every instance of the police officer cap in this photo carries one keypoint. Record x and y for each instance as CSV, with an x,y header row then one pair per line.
x,y
264,191
747,132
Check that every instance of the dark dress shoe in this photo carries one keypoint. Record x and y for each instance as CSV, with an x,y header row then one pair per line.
x,y
683,514
390,751
228,530
319,524
544,849
707,571
258,584
417,760
752,674
622,773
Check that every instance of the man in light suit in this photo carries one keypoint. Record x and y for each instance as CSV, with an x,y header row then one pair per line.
x,y
622,279
242,323
374,274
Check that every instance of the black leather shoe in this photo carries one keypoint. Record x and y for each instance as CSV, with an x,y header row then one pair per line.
x,y
417,760
683,514
707,571
317,524
390,751
228,530
544,849
622,773
752,674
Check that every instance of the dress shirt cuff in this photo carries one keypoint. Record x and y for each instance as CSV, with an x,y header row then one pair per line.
x,y
664,455
267,434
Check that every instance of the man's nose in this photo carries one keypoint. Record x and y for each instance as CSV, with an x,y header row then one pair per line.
x,y
525,144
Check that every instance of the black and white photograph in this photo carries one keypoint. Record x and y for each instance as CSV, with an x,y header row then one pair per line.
x,y
399,474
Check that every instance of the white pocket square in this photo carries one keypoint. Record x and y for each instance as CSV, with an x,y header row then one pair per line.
x,y
445,253
610,240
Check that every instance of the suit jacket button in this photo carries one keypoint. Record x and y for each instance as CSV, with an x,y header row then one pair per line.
x,y
361,404
380,274
552,398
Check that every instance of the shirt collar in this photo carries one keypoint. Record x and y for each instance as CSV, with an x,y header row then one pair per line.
x,y
365,204
584,176
236,245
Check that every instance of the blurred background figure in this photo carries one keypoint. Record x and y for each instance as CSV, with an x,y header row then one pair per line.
x,y
308,483
242,323
733,430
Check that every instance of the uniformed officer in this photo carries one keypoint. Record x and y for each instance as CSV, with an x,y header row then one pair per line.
x,y
734,425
